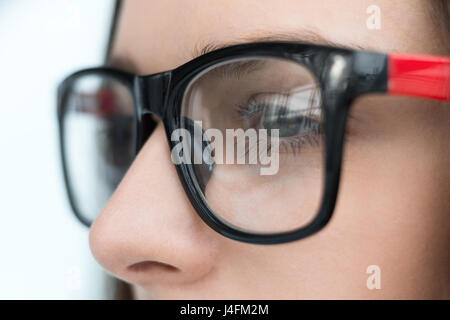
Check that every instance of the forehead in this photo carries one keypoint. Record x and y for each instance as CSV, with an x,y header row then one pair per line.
x,y
160,35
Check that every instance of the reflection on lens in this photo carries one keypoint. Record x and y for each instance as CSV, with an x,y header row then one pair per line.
x,y
269,109
98,136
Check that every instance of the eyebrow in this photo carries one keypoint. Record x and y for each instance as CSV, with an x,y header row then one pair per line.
x,y
201,48
302,35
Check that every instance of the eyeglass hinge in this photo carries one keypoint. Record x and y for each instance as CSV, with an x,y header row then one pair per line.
x,y
152,92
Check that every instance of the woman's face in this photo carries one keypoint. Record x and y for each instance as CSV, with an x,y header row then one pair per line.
x,y
393,205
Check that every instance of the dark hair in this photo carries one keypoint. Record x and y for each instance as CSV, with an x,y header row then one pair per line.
x,y
112,28
440,14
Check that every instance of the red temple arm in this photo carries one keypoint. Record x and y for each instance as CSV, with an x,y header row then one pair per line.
x,y
420,76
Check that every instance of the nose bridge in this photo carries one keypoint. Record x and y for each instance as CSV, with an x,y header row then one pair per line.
x,y
151,93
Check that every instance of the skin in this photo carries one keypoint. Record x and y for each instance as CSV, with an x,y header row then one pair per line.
x,y
394,198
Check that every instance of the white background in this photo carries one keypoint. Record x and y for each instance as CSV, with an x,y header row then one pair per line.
x,y
44,250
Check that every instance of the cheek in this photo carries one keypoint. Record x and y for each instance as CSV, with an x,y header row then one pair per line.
x,y
281,202
394,190
395,175
400,170
394,202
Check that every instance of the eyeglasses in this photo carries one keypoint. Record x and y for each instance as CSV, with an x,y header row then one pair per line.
x,y
301,94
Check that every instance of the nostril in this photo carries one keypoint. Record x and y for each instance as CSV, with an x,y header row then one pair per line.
x,y
146,266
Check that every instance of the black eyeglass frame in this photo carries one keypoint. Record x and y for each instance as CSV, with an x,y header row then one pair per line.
x,y
342,74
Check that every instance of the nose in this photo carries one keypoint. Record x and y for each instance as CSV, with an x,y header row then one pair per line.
x,y
148,233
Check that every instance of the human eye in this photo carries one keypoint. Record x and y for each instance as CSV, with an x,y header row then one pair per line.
x,y
296,115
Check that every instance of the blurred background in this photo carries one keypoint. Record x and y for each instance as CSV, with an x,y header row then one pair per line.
x,y
44,251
